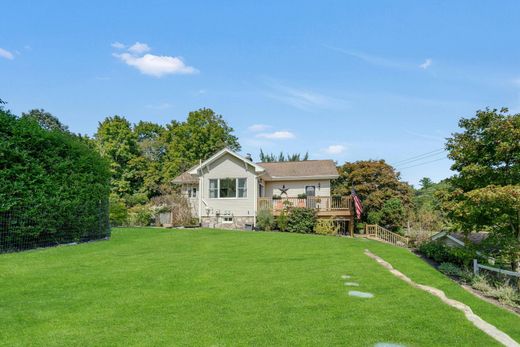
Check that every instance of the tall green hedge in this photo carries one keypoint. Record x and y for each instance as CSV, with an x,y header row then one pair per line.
x,y
53,186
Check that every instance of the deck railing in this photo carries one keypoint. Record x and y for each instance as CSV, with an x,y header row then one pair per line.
x,y
320,203
380,233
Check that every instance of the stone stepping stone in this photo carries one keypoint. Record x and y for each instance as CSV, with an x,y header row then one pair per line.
x,y
352,284
360,294
345,277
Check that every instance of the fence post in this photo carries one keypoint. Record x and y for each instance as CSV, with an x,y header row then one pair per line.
x,y
475,267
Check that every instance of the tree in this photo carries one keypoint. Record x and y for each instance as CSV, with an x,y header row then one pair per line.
x,y
201,135
391,215
375,182
118,143
270,157
426,212
484,194
46,120
151,152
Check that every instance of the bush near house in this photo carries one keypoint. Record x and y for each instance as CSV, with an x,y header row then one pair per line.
x,y
301,220
326,227
265,220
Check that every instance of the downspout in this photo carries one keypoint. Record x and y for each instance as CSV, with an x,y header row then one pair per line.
x,y
201,186
255,201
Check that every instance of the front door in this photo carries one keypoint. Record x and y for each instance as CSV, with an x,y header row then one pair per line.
x,y
310,191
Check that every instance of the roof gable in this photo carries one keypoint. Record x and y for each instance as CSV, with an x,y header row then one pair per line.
x,y
194,170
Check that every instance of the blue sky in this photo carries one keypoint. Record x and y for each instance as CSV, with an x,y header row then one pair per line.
x,y
344,80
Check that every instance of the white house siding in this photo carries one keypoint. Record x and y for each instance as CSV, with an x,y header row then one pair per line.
x,y
297,187
241,209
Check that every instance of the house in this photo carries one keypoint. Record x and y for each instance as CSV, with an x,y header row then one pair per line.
x,y
227,190
458,240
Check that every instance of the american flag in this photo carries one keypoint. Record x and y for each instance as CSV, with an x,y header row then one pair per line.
x,y
357,203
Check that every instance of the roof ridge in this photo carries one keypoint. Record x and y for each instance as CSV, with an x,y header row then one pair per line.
x,y
298,161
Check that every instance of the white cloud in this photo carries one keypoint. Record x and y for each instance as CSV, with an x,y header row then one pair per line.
x,y
6,54
255,128
118,45
427,63
277,135
150,64
139,48
335,149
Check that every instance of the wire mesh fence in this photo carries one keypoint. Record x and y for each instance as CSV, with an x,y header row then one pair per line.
x,y
24,228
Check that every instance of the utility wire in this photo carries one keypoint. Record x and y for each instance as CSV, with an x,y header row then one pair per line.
x,y
420,164
420,159
420,156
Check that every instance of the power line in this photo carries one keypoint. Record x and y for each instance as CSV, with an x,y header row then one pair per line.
x,y
420,156
420,164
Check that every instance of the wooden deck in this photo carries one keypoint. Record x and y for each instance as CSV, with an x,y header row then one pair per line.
x,y
325,206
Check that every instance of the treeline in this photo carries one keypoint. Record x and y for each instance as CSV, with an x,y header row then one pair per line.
x,y
145,157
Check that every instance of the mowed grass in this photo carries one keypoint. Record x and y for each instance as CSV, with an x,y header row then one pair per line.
x,y
157,287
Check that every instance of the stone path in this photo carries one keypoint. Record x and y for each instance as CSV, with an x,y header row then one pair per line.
x,y
481,324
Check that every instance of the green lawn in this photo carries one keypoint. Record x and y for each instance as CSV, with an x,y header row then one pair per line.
x,y
158,287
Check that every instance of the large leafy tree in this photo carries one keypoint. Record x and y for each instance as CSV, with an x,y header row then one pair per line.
x,y
118,143
485,192
45,119
151,152
203,133
376,182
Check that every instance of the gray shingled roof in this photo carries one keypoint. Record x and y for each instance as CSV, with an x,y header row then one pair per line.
x,y
185,178
286,169
300,168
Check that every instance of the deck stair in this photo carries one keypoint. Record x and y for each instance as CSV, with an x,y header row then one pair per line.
x,y
377,232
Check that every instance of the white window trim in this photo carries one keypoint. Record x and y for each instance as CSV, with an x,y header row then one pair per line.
x,y
224,221
236,187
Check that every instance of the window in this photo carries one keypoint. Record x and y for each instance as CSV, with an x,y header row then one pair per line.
x,y
242,187
192,192
227,220
228,188
213,189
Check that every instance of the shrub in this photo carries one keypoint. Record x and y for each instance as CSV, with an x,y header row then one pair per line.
x,y
302,196
481,283
441,253
265,220
301,220
326,227
506,295
450,269
53,181
436,251
281,221
118,211
140,215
